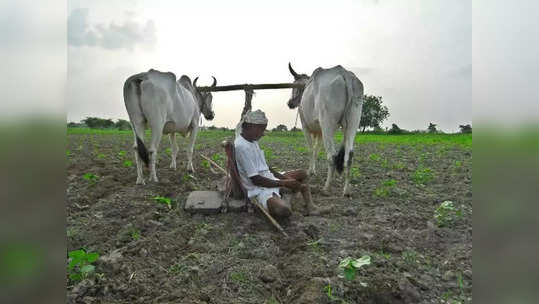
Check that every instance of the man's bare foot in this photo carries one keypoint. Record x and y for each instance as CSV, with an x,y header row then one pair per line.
x,y
315,211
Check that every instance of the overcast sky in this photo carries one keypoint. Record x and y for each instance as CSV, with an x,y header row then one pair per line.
x,y
415,54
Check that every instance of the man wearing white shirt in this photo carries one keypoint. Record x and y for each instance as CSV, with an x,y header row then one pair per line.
x,y
258,179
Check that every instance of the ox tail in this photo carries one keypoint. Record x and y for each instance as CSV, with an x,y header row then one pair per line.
x,y
338,160
141,148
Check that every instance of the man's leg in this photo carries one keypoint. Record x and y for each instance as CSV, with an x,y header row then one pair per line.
x,y
302,177
277,207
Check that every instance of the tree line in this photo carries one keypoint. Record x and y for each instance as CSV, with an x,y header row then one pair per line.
x,y
374,113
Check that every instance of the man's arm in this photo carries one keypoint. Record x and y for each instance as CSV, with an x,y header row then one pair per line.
x,y
277,174
262,181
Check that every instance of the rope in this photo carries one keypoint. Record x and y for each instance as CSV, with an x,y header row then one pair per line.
x,y
297,115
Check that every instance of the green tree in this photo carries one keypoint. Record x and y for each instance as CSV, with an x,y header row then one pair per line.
x,y
122,124
98,123
465,128
395,129
373,113
432,128
280,128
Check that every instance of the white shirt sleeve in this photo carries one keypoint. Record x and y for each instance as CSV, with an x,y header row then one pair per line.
x,y
246,161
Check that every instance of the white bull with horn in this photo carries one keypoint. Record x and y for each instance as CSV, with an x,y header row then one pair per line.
x,y
168,107
331,98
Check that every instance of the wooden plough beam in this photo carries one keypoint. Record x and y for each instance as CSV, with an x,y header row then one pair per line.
x,y
250,87
249,90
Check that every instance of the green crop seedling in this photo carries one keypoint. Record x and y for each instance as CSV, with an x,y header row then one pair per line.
x,y
350,266
423,175
92,178
446,214
128,163
80,264
163,200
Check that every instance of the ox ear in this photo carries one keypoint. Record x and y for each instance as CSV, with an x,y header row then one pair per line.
x,y
195,82
296,76
214,82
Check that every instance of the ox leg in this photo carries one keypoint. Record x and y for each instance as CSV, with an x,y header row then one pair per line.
x,y
190,148
140,165
348,141
312,160
157,133
174,148
316,149
329,145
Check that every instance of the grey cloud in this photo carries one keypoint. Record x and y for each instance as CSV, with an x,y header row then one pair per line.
x,y
111,36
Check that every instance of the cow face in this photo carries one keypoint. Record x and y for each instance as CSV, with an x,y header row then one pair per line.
x,y
295,100
206,107
205,99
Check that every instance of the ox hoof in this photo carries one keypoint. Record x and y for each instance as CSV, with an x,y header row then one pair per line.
x,y
140,181
347,194
173,166
311,172
154,179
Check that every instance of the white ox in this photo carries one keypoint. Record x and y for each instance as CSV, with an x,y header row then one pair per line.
x,y
331,98
168,107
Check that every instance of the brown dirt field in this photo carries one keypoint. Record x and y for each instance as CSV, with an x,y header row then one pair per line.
x,y
170,256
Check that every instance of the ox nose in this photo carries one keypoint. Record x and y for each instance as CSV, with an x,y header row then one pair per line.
x,y
290,103
210,116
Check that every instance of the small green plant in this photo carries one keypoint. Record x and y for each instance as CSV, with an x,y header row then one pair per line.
x,y
128,164
355,175
374,157
271,300
187,177
329,292
409,256
121,153
386,255
389,183
315,246
218,158
350,266
446,214
301,149
423,175
399,165
238,276
205,164
268,154
80,264
68,153
135,235
385,189
100,156
90,177
168,151
163,200
177,268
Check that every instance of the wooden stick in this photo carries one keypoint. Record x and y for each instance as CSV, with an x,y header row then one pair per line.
x,y
264,86
270,218
215,164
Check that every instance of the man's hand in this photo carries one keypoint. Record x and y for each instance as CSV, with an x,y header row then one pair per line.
x,y
291,183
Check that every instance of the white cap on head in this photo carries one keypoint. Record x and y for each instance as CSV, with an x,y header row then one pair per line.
x,y
256,117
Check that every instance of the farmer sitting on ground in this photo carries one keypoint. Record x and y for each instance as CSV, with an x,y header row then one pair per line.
x,y
258,179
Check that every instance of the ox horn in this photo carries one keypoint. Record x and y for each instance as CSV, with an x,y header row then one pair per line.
x,y
292,71
195,82
214,82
